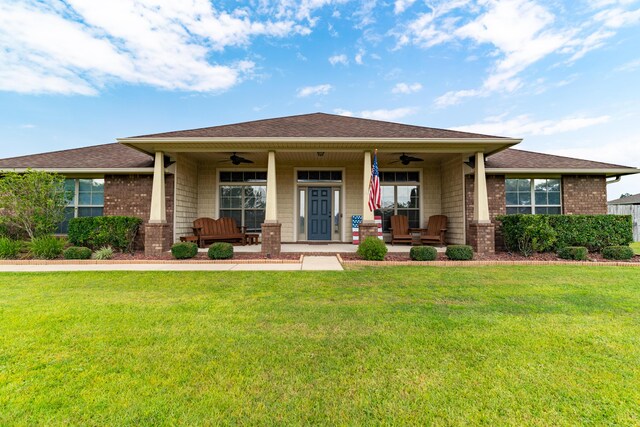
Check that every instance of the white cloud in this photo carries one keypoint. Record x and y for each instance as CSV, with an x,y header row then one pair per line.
x,y
630,66
400,6
359,57
314,90
618,17
79,46
381,114
524,125
339,59
406,88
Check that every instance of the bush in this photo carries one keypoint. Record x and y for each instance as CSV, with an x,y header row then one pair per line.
x,y
220,250
77,252
9,249
48,247
103,253
372,249
617,252
591,231
459,252
184,250
118,232
576,253
423,253
528,234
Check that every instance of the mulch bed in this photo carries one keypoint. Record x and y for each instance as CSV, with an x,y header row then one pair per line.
x,y
498,256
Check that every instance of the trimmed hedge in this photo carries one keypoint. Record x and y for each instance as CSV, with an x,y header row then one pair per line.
x,y
220,250
617,252
591,231
423,253
576,253
459,252
118,232
372,249
77,252
184,250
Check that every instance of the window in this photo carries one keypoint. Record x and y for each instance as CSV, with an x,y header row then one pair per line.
x,y
319,176
245,203
87,200
539,196
400,196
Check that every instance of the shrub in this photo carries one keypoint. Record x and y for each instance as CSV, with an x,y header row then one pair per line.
x,y
103,253
372,249
617,252
184,250
77,252
528,234
118,232
48,247
459,252
576,253
32,203
220,250
591,231
9,249
423,253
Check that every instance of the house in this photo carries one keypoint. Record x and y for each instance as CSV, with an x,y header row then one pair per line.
x,y
301,178
629,205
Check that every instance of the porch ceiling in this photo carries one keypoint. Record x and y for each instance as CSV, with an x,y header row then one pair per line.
x,y
306,158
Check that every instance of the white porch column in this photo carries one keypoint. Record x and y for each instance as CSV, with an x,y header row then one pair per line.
x,y
367,215
271,212
158,214
481,202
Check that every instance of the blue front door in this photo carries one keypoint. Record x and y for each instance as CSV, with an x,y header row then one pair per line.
x,y
319,213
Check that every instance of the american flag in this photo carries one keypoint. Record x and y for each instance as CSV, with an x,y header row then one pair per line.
x,y
375,196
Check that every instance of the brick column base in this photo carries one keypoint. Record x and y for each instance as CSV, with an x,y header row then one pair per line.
x,y
155,241
482,237
367,229
271,239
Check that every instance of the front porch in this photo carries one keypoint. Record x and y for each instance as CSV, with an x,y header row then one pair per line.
x,y
328,248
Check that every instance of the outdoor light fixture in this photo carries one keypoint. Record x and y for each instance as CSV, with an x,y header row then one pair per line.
x,y
320,153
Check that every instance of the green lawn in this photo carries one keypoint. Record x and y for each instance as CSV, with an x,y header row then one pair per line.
x,y
636,247
522,345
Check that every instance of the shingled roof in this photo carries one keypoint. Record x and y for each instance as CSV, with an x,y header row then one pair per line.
x,y
520,159
317,125
106,156
629,200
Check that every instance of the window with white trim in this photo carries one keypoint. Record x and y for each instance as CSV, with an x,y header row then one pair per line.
x,y
243,200
533,196
87,200
400,196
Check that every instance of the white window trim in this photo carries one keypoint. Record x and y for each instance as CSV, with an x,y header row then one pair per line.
x,y
420,184
219,184
532,190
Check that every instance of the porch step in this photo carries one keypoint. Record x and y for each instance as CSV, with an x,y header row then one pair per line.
x,y
321,263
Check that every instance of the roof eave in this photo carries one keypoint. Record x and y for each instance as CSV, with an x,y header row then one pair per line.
x,y
564,171
88,171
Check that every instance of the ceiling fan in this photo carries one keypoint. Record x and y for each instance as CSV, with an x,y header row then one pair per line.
x,y
236,160
406,159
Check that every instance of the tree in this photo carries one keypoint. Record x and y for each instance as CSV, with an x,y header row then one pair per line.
x,y
32,203
622,196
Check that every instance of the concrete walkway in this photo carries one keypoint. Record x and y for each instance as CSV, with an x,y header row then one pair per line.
x,y
317,263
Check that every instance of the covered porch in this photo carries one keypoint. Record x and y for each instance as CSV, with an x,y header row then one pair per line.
x,y
289,194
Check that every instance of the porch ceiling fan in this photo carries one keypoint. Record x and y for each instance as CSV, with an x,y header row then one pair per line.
x,y
236,160
405,159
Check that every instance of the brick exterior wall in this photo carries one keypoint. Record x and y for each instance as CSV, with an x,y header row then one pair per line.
x,y
130,195
271,239
497,206
584,195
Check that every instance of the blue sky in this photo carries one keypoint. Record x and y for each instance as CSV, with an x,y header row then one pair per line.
x,y
565,76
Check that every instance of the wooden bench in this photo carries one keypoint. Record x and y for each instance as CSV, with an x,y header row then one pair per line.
x,y
224,229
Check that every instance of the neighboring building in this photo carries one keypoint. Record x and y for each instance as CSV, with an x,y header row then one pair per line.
x,y
300,163
629,205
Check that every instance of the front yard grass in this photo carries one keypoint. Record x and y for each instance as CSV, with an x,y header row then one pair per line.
x,y
636,247
526,345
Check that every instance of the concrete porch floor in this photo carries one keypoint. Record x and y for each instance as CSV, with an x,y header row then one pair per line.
x,y
321,248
